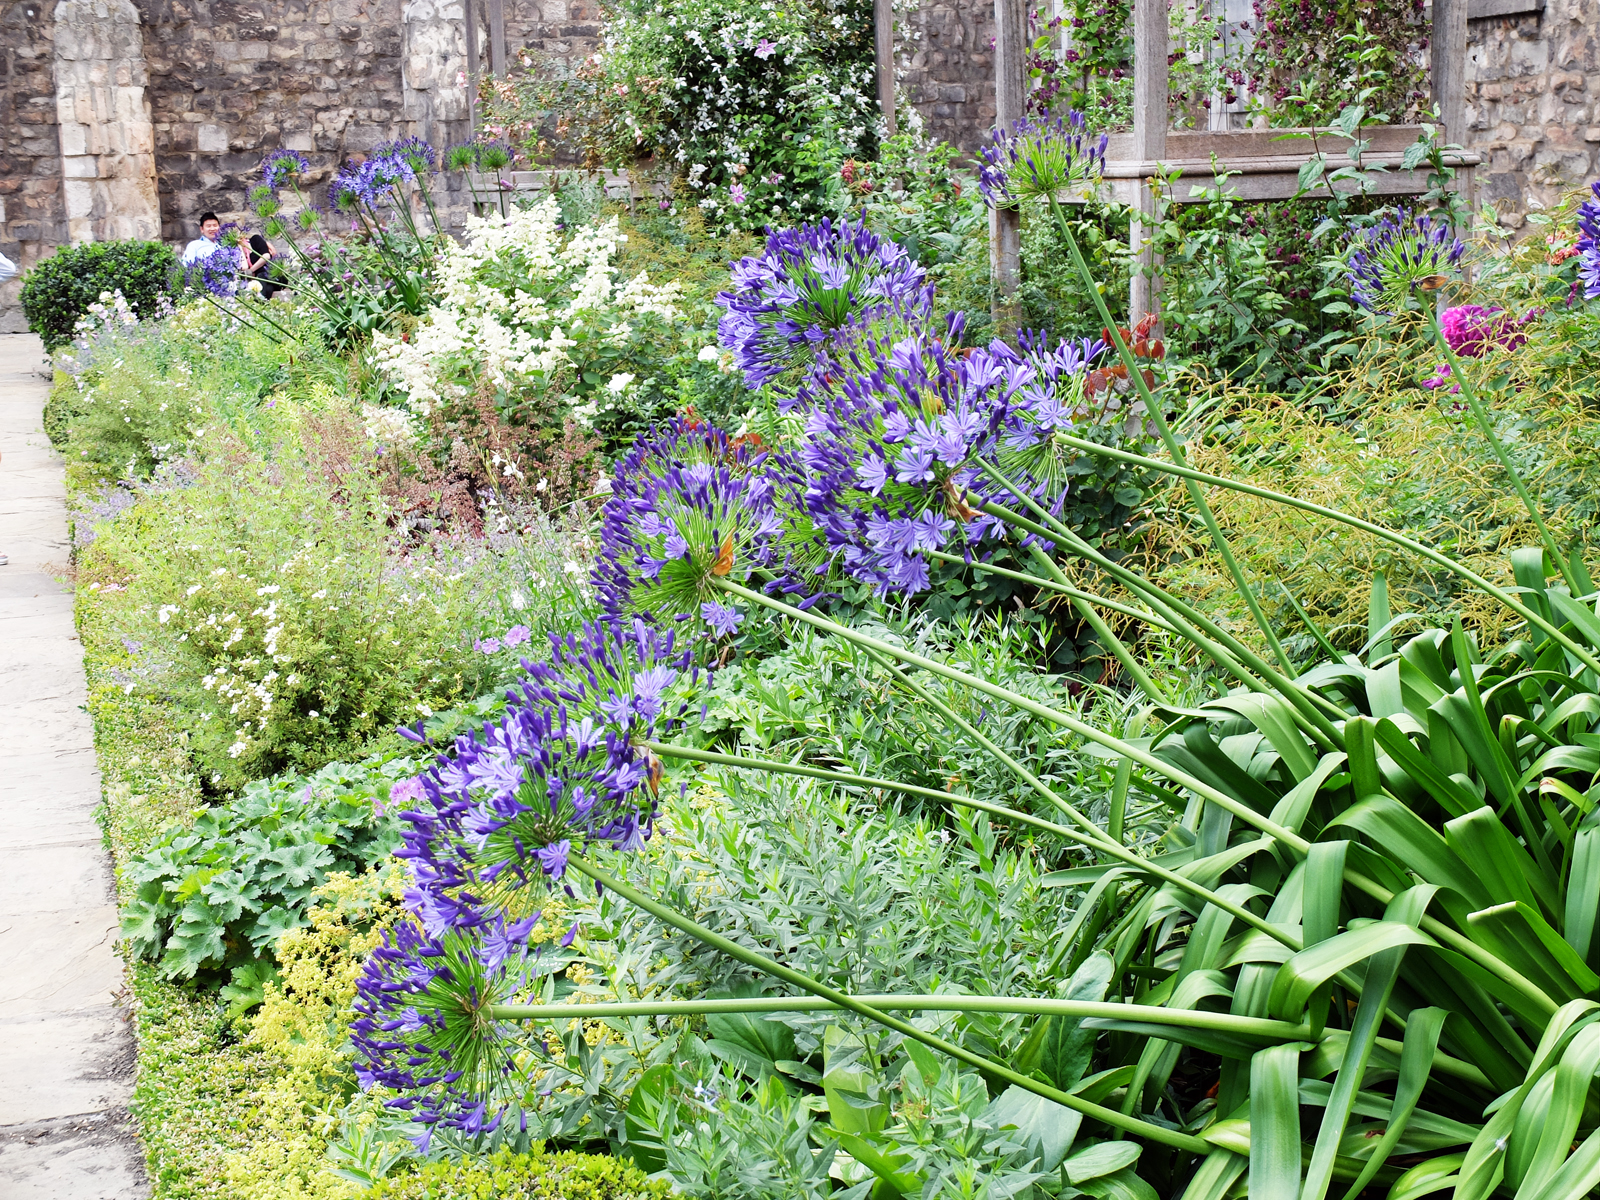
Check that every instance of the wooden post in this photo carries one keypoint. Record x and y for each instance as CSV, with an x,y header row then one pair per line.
x,y
1149,145
497,38
1449,47
471,9
883,45
1005,224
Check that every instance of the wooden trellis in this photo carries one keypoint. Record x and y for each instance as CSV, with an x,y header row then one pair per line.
x,y
1261,164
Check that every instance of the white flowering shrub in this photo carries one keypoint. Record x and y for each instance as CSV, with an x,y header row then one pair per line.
x,y
538,319
754,104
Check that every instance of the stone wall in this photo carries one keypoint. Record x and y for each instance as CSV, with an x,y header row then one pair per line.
x,y
945,53
33,218
1533,104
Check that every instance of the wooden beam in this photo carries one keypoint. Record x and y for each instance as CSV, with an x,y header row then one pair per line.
x,y
1449,67
497,38
883,45
1005,224
470,8
1149,144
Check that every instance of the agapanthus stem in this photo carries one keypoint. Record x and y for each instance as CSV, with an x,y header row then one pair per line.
x,y
1102,630
1253,1027
1095,839
1579,652
1242,812
1050,585
1145,759
1096,1112
1153,410
1317,710
1486,426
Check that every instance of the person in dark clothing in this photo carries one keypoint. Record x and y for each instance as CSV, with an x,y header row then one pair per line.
x,y
259,265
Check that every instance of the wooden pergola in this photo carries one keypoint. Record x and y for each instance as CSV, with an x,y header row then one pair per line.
x,y
1261,164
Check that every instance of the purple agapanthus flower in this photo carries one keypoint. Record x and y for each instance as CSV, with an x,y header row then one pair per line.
x,y
419,1027
810,290
889,452
283,165
417,153
1588,245
1039,157
561,767
689,506
723,620
368,184
1399,256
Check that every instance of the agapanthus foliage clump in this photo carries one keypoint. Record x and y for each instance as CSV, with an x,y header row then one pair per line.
x,y
1402,256
811,292
689,506
1040,157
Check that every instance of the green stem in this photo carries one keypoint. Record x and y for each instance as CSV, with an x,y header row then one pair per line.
x,y
1097,1112
1145,759
1093,840
1388,535
1241,811
1255,1027
1481,416
1102,630
1050,585
1173,448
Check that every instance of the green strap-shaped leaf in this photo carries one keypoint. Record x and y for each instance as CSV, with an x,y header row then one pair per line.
x,y
1308,970
1583,893
1402,836
1470,724
1578,1176
1573,1076
1520,937
1452,797
1484,1164
1324,888
1275,720
1428,1178
1378,619
1507,870
1275,1123
1217,1174
1416,1065
1294,806
1582,619
1384,968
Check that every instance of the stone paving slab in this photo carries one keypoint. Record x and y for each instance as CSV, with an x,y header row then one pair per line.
x,y
66,1049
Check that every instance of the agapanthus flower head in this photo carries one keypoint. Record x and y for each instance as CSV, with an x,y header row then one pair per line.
x,y
890,453
422,1027
415,152
811,290
1040,156
370,183
218,272
562,768
1588,245
1471,329
283,165
1399,257
689,506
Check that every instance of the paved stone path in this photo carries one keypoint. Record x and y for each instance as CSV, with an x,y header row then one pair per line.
x,y
66,1050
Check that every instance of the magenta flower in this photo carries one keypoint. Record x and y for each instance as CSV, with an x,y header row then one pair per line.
x,y
1471,328
736,193
766,49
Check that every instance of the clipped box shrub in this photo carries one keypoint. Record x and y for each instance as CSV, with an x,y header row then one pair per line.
x,y
508,1176
60,289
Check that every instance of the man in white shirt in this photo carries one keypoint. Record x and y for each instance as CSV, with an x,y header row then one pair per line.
x,y
206,244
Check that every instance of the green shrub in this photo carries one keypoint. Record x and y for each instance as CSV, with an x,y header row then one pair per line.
x,y
222,891
508,1176
60,289
272,600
